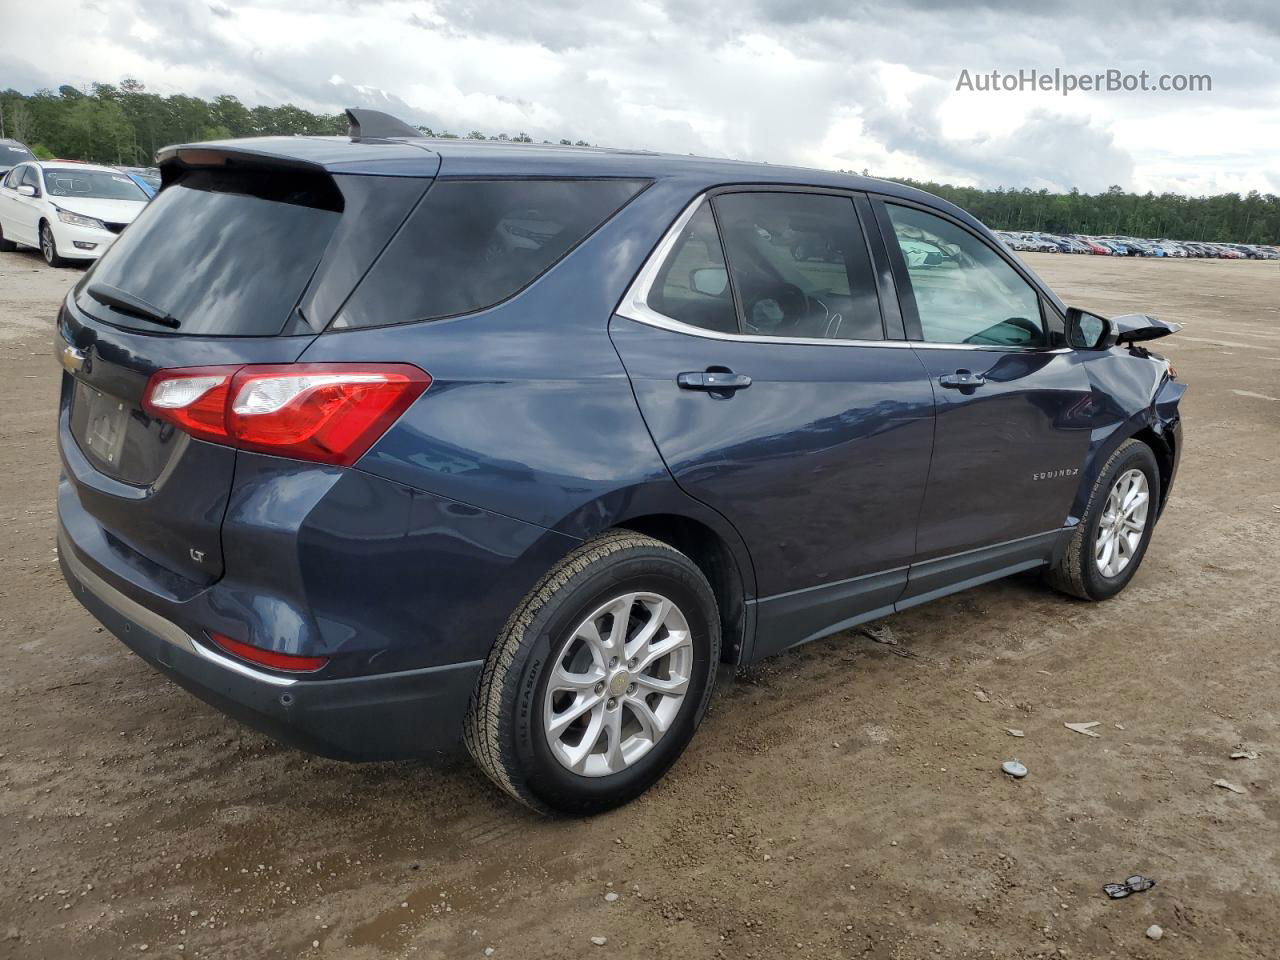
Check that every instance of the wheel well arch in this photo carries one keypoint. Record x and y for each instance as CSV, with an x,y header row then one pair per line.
x,y
1162,447
714,557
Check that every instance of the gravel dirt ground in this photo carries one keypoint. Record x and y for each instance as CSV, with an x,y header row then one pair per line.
x,y
844,800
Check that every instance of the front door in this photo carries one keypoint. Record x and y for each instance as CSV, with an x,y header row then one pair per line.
x,y
17,212
1012,401
8,191
29,209
756,348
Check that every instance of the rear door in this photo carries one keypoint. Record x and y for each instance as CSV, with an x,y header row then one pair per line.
x,y
230,264
775,394
1012,400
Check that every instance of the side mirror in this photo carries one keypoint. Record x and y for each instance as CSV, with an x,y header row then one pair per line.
x,y
1133,327
711,281
1088,331
27,190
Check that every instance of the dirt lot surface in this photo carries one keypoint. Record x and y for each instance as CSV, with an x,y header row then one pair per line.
x,y
845,800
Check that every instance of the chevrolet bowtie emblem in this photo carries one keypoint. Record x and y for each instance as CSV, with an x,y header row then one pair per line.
x,y
72,359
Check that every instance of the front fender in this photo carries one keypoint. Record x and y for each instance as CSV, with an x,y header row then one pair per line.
x,y
1132,396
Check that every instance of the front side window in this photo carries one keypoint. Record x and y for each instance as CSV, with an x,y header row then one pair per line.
x,y
91,184
965,292
30,178
799,265
693,284
471,244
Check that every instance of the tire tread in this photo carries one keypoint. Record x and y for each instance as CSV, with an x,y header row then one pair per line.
x,y
483,726
1068,575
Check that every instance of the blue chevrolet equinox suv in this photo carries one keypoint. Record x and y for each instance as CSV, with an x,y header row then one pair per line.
x,y
386,444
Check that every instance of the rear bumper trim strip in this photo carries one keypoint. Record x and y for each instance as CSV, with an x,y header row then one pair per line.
x,y
151,621
123,605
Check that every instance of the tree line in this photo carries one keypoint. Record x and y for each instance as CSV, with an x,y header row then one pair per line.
x,y
124,124
1227,217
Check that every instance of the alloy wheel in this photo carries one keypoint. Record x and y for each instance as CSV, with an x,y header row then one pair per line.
x,y
46,244
617,684
1123,521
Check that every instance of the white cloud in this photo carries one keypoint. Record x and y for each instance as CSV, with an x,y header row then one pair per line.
x,y
841,84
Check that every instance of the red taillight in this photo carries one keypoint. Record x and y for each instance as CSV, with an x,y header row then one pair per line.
x,y
193,398
268,658
326,412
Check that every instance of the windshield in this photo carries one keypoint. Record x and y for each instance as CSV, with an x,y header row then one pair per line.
x,y
91,184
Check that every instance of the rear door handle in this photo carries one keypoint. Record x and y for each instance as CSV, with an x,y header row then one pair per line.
x,y
961,379
713,381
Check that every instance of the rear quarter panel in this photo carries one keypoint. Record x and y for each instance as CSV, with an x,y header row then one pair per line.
x,y
374,573
530,413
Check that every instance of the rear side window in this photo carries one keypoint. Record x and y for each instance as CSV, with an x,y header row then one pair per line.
x,y
800,266
473,243
693,286
224,252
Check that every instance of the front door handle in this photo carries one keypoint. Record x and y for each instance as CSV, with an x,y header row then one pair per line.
x,y
714,381
961,379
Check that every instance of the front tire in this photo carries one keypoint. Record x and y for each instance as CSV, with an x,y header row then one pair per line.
x,y
599,679
1112,536
49,247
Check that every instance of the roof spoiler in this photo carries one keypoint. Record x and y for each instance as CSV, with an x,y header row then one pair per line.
x,y
378,125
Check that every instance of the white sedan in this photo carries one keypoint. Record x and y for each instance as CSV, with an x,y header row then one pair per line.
x,y
70,211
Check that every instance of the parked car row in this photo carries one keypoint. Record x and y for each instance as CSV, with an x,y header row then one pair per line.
x,y
1134,246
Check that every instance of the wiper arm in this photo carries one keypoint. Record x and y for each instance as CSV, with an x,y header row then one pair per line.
x,y
127,303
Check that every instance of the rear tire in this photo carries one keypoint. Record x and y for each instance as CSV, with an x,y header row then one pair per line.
x,y
49,247
6,246
1090,569
623,739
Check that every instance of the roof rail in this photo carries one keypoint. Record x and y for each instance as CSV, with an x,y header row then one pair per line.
x,y
376,124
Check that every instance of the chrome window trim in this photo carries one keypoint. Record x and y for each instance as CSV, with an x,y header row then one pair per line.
x,y
635,306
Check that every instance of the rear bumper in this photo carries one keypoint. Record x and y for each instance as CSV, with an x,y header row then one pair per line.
x,y
413,713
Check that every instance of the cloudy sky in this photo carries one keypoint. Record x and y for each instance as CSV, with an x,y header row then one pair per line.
x,y
832,83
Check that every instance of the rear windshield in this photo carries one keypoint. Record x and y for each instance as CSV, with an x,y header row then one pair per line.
x,y
90,184
473,243
12,154
223,252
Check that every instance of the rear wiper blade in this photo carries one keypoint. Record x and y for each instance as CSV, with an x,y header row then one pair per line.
x,y
127,303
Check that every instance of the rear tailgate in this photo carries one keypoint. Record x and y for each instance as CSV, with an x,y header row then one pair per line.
x,y
240,259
